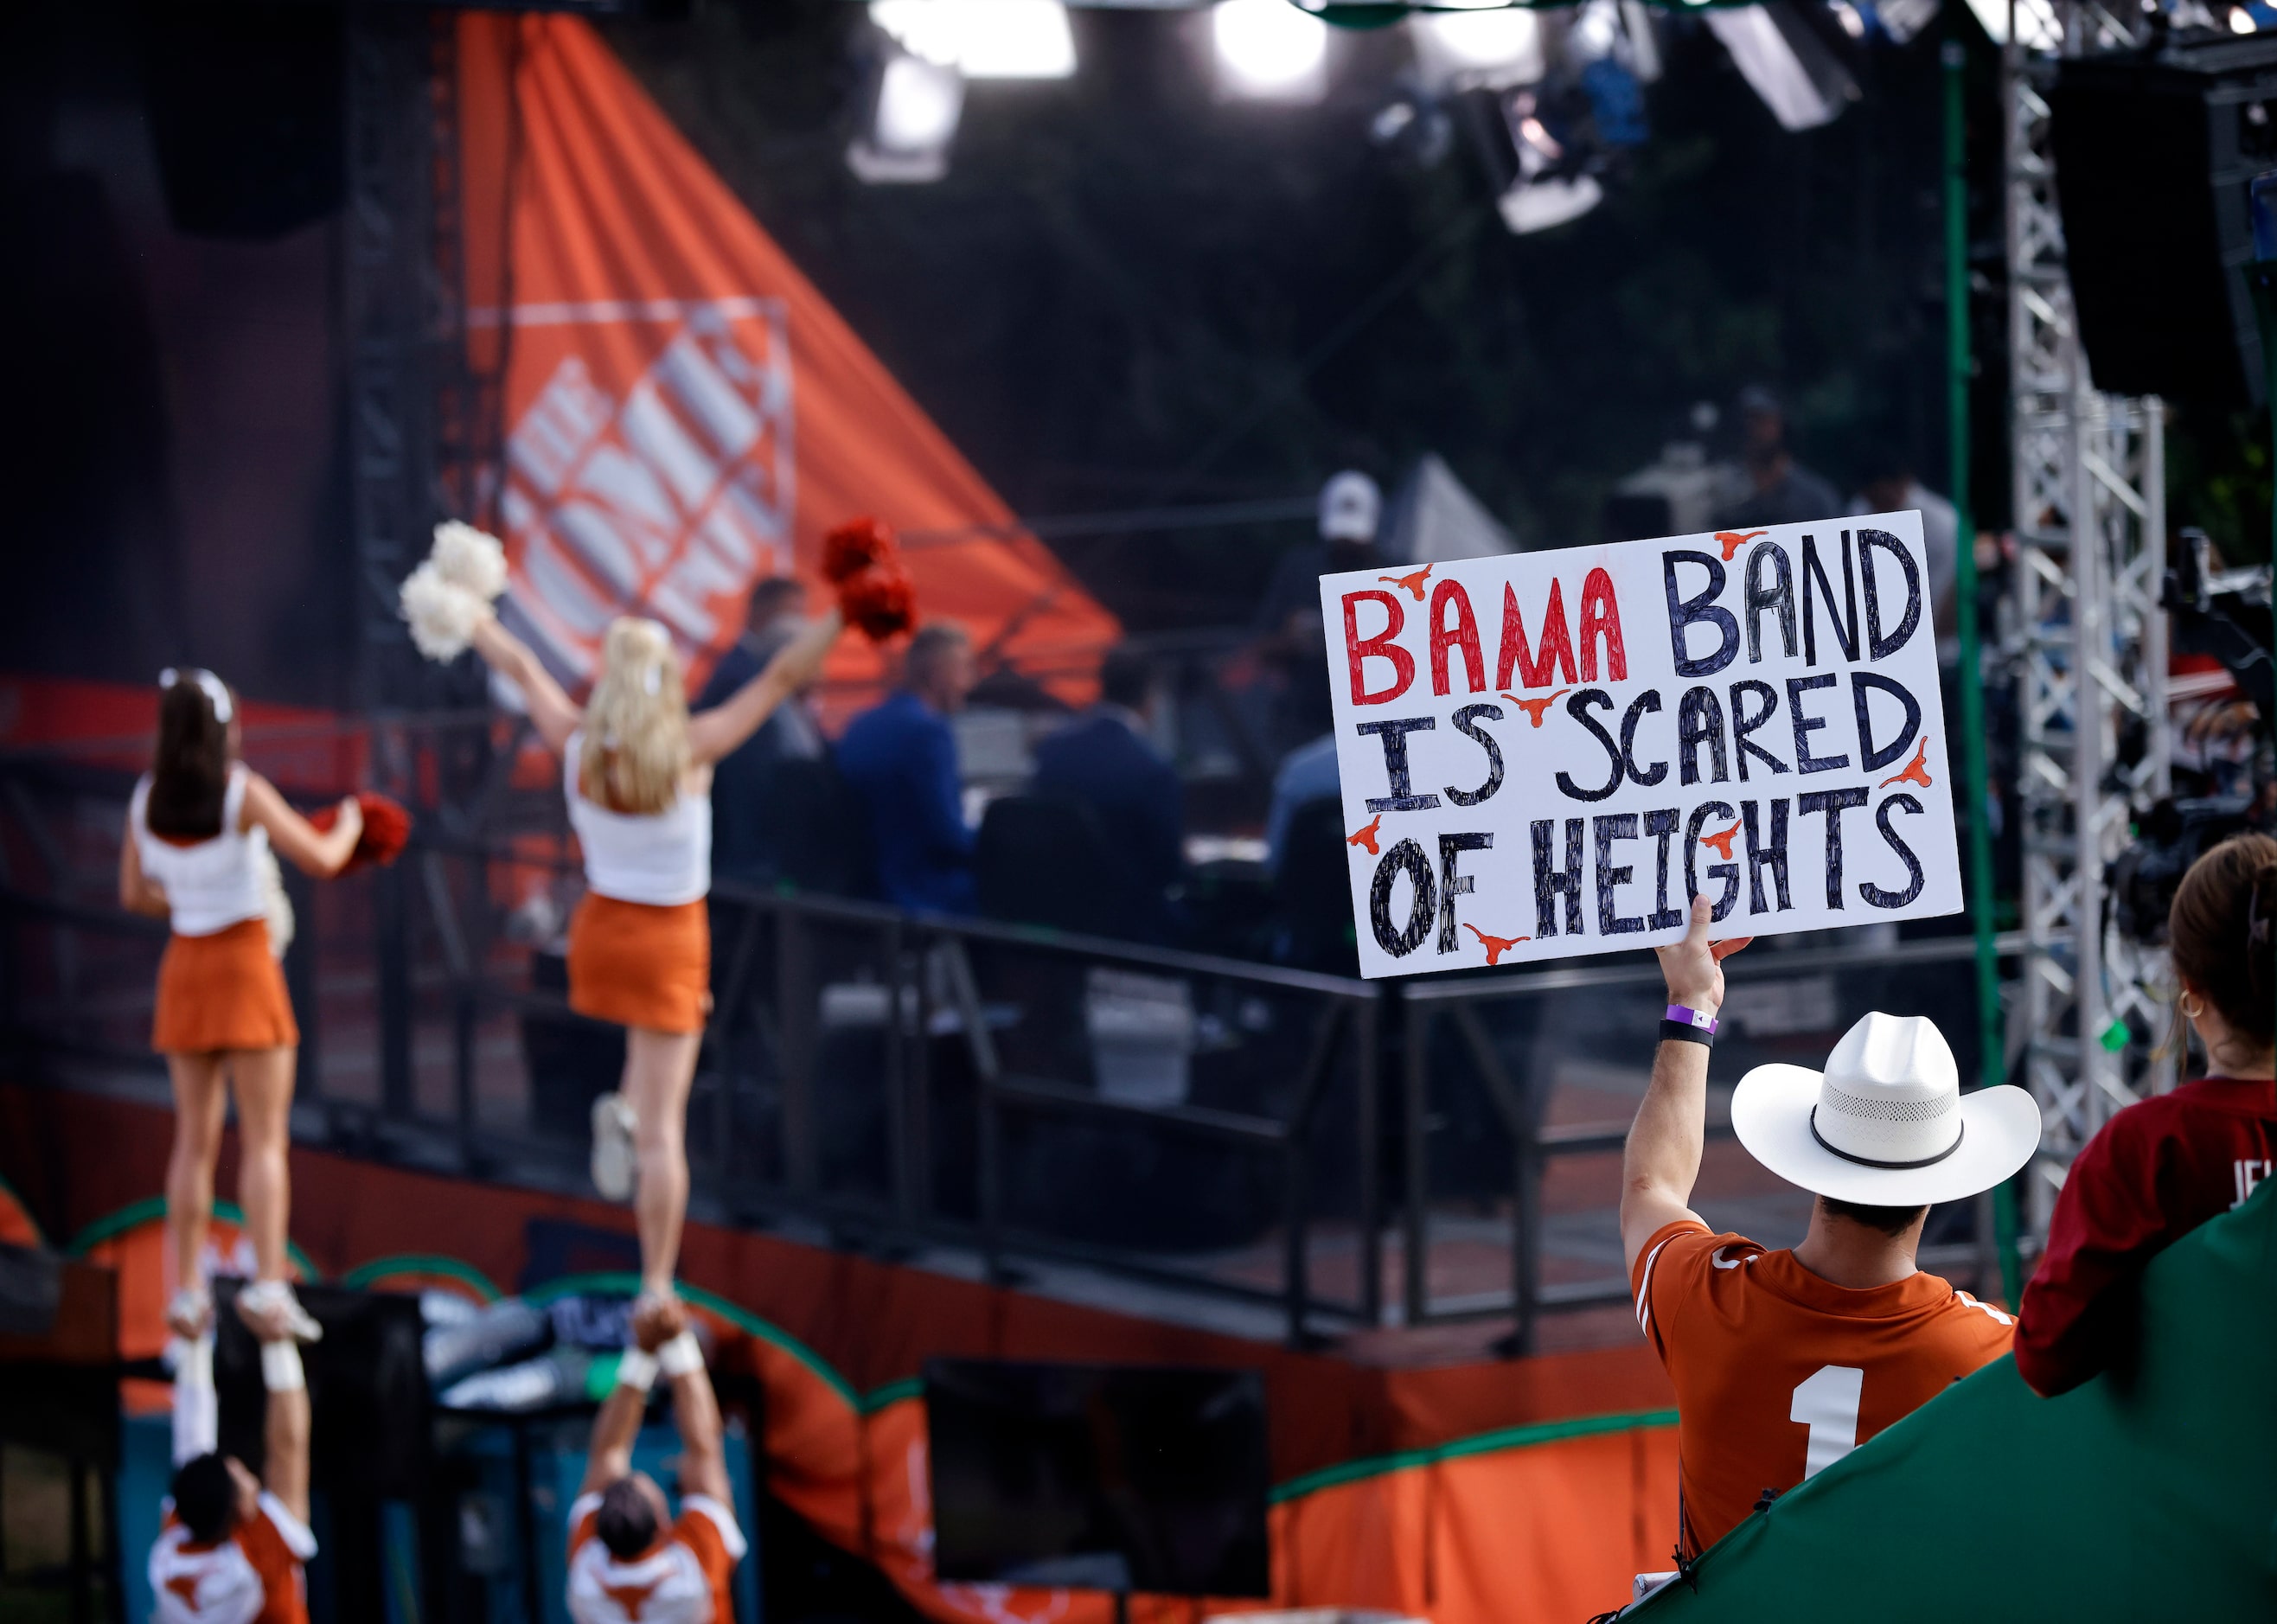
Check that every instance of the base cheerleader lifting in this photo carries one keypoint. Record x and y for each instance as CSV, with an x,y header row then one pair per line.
x,y
636,774
200,832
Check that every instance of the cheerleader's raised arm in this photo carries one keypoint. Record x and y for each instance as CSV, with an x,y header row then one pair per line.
x,y
550,711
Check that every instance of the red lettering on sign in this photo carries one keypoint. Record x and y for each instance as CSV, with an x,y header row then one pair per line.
x,y
1600,617
1463,635
1358,649
1557,642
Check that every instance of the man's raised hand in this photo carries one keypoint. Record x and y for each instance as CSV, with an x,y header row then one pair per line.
x,y
1695,966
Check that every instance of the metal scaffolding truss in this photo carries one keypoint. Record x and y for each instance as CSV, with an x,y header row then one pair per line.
x,y
2087,650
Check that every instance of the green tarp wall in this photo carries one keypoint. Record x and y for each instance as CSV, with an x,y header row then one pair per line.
x,y
2151,1501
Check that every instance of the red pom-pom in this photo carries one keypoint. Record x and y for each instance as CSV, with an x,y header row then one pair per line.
x,y
881,601
857,545
387,828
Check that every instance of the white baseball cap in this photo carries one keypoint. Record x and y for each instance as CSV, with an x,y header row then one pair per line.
x,y
1351,504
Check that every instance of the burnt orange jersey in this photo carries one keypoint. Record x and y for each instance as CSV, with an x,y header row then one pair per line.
x,y
1779,1374
681,1579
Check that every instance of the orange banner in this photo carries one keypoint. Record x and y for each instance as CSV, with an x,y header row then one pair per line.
x,y
684,413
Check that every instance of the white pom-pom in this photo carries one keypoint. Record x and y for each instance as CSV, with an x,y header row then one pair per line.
x,y
443,616
276,906
469,558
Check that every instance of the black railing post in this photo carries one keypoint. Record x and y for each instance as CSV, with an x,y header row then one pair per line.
x,y
1417,1229
899,1167
920,1085
794,1003
301,986
1366,1040
392,947
1294,1151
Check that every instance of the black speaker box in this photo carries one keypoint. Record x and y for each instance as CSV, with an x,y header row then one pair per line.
x,y
366,1390
244,103
2155,151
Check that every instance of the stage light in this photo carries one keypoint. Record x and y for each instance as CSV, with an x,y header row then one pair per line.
x,y
1545,204
2241,20
1269,50
2036,26
1904,19
1549,188
1468,47
1795,72
912,124
983,39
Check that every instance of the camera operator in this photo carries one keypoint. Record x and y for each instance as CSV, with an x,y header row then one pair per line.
x,y
2161,1168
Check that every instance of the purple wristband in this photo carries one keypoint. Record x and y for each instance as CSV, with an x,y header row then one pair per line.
x,y
1693,1019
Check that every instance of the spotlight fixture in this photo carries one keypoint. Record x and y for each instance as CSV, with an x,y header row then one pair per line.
x,y
1795,73
2037,25
983,39
1904,19
1462,48
1268,51
1552,184
913,118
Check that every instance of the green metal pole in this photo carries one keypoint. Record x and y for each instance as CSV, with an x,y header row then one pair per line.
x,y
1991,1039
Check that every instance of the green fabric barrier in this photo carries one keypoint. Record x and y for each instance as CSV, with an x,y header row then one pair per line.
x,y
2156,1502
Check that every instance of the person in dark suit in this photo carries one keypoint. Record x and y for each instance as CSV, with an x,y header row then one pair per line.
x,y
740,848
1780,491
1103,759
900,759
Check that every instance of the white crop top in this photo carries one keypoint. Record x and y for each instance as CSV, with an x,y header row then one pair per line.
x,y
659,858
212,884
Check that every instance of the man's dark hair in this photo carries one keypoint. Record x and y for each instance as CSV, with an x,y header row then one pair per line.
x,y
626,1523
1123,677
205,1498
933,644
772,596
1892,1221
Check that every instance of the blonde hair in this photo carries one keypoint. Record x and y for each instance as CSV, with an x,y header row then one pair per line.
x,y
635,744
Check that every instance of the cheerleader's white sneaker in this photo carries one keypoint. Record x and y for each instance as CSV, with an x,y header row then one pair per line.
x,y
275,1301
615,1163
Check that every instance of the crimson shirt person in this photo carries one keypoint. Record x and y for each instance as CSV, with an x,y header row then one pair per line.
x,y
2159,1169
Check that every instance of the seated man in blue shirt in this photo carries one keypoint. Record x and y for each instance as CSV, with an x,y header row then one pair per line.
x,y
1104,760
900,759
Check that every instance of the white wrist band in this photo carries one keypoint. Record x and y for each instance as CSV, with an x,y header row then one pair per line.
x,y
683,1356
280,1367
637,1369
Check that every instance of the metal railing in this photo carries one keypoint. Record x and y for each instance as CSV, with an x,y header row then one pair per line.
x,y
1013,1097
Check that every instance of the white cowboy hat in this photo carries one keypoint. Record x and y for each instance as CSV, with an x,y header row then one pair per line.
x,y
1886,1124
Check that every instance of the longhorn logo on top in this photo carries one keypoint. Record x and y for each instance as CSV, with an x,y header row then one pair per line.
x,y
1549,754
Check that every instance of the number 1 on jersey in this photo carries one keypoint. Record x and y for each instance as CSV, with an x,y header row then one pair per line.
x,y
1827,1403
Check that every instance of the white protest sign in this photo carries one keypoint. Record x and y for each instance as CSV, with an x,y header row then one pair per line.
x,y
1549,754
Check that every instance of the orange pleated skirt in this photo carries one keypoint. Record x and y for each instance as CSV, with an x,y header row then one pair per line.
x,y
226,991
640,965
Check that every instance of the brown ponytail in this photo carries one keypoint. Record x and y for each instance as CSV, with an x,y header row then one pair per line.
x,y
2223,928
189,769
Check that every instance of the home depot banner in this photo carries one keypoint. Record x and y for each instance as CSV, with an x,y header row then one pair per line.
x,y
684,413
1551,754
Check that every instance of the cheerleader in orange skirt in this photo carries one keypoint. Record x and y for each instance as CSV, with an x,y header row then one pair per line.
x,y
637,774
199,833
